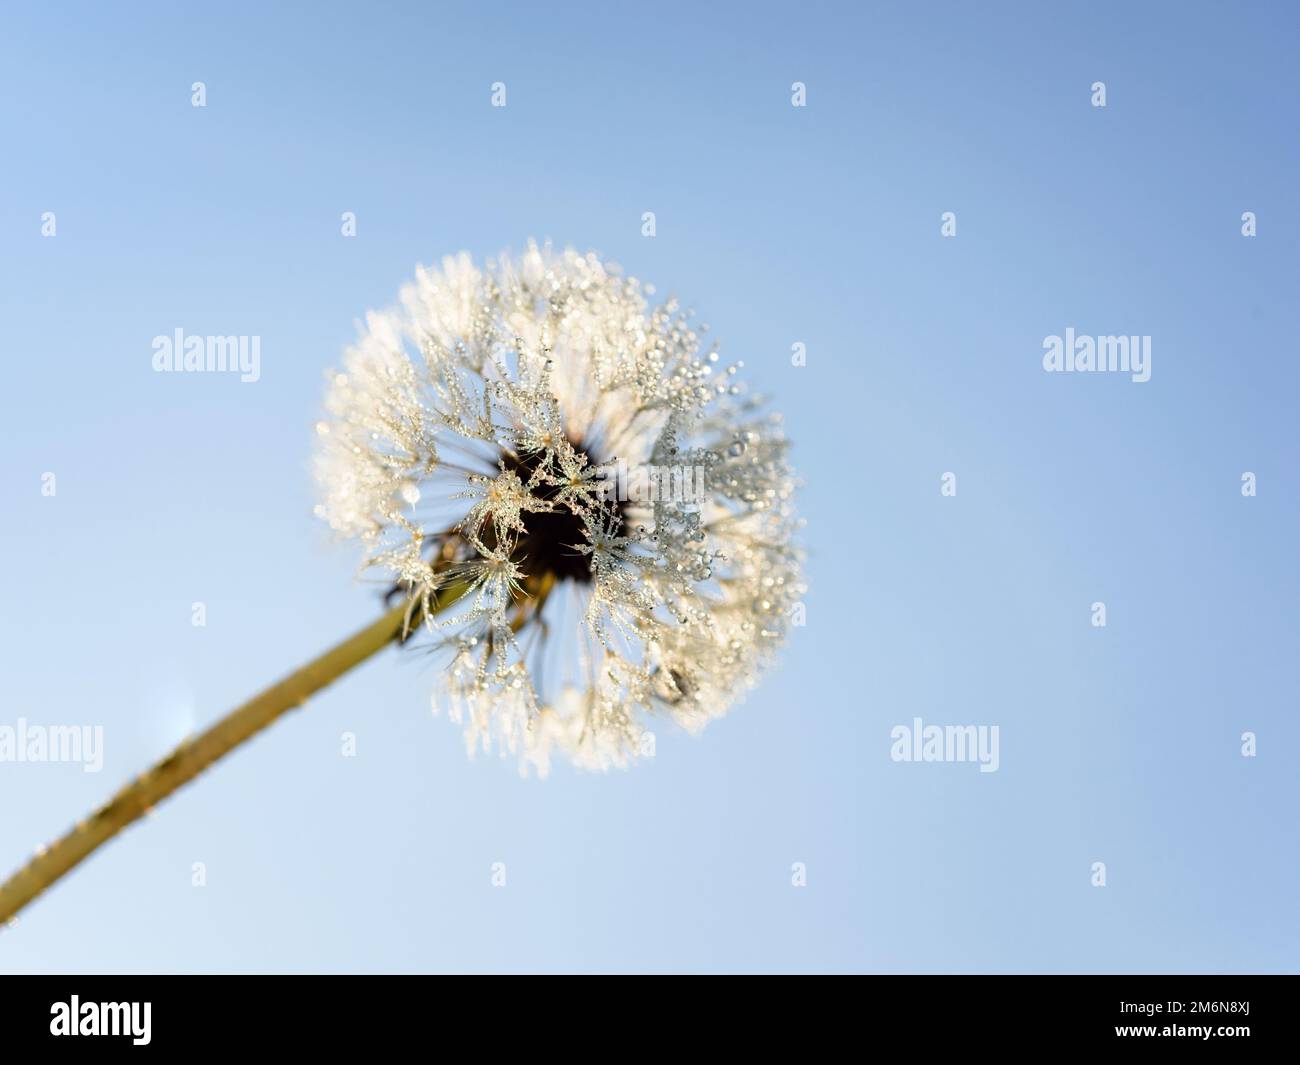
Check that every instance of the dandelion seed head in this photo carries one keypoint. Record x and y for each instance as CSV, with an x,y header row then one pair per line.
x,y
470,442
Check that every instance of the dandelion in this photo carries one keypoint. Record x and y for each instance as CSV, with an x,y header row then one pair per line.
x,y
467,444
517,386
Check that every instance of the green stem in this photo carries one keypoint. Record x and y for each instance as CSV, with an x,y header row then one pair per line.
x,y
198,752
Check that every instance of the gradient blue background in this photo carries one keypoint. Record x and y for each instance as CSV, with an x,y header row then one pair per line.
x,y
818,225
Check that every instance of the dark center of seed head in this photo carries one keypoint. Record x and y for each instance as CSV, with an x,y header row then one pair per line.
x,y
546,546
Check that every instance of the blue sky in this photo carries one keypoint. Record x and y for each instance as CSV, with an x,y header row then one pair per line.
x,y
817,225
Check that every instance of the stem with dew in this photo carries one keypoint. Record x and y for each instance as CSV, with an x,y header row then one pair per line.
x,y
196,753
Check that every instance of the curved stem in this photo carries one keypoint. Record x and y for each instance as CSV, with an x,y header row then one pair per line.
x,y
196,753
